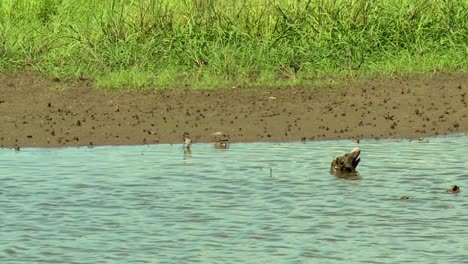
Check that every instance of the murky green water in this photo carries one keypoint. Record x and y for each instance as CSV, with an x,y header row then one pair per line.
x,y
153,204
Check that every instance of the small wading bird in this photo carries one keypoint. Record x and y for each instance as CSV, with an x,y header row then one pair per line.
x,y
187,142
454,189
221,140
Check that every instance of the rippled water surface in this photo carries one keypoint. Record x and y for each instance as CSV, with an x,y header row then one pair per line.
x,y
252,203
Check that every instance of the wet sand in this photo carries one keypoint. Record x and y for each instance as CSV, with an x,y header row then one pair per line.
x,y
40,112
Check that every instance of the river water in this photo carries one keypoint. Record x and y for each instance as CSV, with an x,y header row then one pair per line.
x,y
252,203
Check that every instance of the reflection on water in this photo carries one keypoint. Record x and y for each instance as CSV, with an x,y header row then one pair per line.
x,y
251,203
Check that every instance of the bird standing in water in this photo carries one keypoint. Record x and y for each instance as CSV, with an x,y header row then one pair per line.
x,y
221,140
187,142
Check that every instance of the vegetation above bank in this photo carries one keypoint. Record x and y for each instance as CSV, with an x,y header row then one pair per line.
x,y
207,43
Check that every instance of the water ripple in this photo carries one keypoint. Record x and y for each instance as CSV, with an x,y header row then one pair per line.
x,y
252,203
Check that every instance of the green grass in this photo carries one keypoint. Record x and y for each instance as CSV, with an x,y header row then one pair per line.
x,y
207,43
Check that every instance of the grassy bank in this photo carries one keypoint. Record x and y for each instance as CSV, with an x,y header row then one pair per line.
x,y
208,43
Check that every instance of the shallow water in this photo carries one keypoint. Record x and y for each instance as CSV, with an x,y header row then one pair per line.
x,y
253,203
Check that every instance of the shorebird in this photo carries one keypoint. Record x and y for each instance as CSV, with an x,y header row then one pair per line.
x,y
221,140
187,141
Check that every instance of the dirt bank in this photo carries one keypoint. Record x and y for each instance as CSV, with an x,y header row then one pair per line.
x,y
38,112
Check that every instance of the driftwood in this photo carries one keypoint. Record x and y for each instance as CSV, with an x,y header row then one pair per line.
x,y
346,164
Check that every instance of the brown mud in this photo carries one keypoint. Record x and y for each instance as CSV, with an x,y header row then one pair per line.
x,y
40,112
